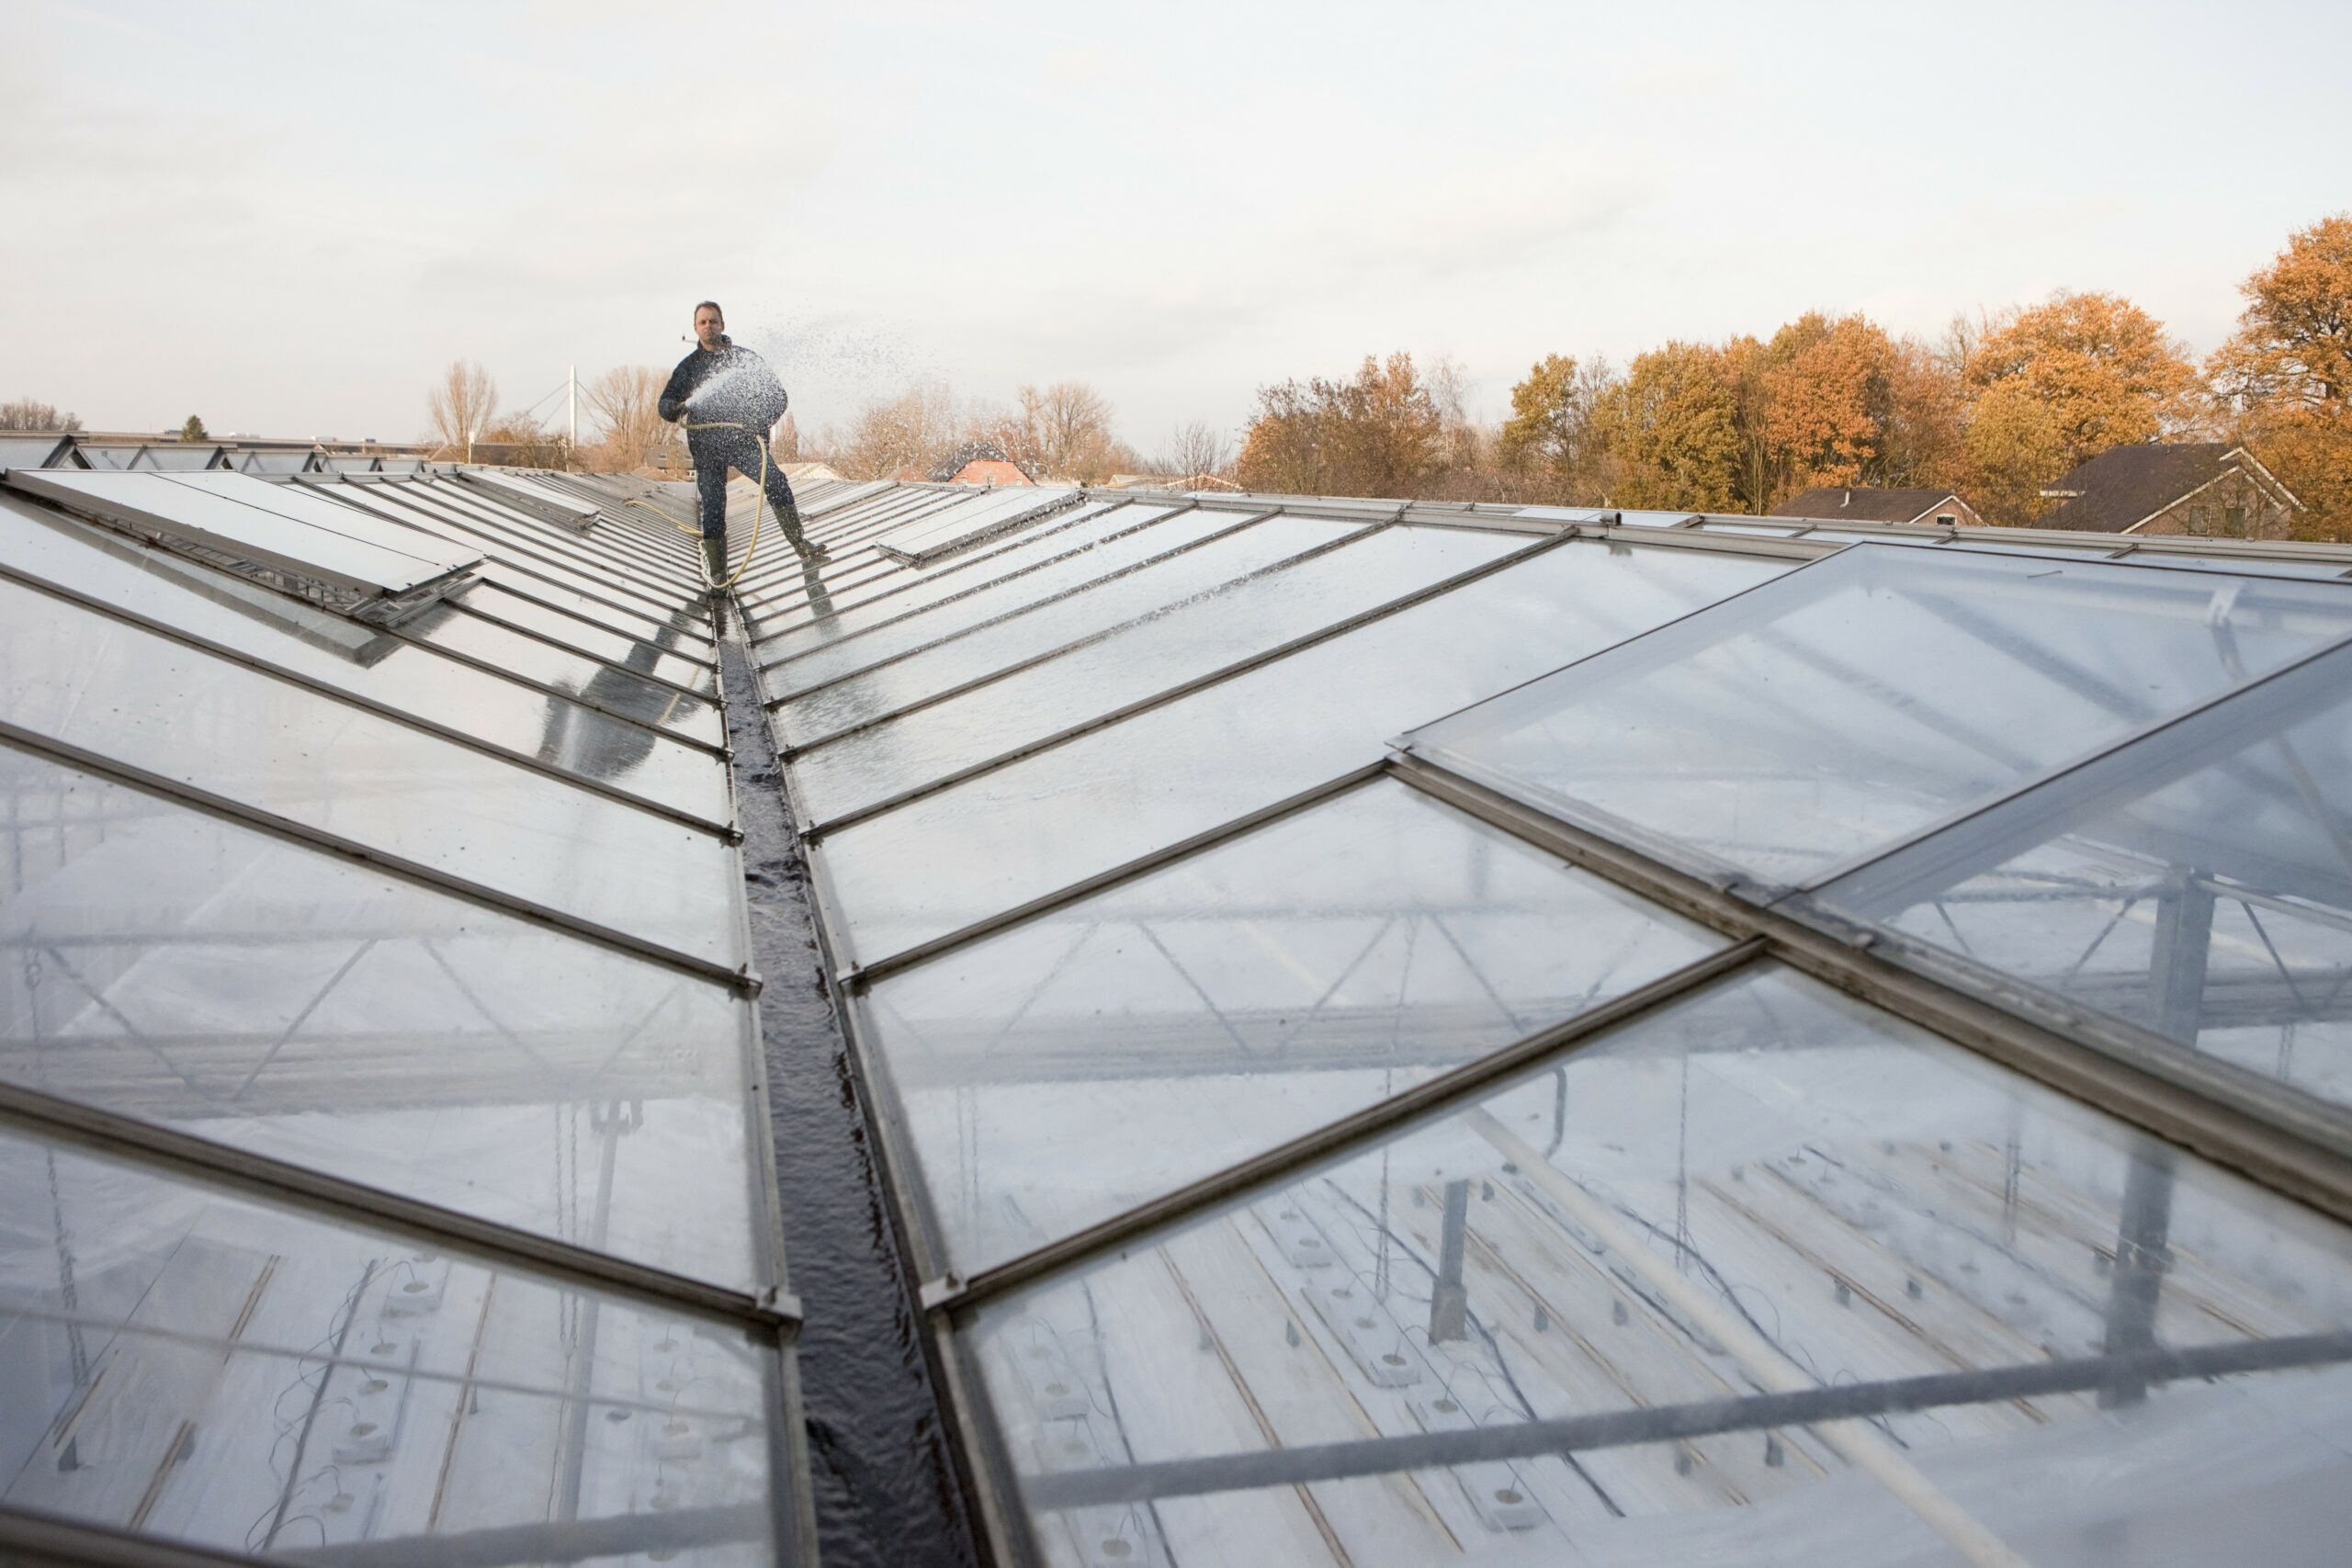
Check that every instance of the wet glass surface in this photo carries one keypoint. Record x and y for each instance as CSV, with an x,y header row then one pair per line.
x,y
1543,1328
1081,807
1187,640
1871,694
216,1370
622,689
1097,1056
921,589
133,697
180,968
2196,883
1030,633
294,635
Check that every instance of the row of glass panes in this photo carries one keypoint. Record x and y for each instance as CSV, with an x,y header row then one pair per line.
x,y
317,891
1101,1053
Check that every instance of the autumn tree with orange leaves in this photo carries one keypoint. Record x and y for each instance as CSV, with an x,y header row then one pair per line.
x,y
2287,372
2064,381
1378,432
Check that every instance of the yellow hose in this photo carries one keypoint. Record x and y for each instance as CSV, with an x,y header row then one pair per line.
x,y
759,506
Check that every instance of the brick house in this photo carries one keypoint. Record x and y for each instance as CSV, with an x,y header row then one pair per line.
x,y
2210,488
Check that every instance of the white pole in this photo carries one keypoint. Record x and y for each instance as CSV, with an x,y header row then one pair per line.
x,y
571,412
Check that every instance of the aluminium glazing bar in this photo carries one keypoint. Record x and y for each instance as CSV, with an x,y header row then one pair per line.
x,y
1186,688
271,1180
863,975
29,1539
998,674
2280,1139
917,581
588,552
1671,1423
1432,1096
207,801
502,551
2194,712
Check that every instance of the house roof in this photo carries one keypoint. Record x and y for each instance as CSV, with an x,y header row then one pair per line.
x,y
1864,504
989,471
2121,488
970,452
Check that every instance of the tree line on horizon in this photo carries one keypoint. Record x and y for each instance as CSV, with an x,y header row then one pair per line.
x,y
1997,408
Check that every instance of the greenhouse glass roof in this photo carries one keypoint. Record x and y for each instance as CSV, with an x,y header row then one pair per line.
x,y
1394,1033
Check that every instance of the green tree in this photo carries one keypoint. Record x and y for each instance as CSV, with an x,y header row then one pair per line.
x,y
1552,441
192,429
1672,427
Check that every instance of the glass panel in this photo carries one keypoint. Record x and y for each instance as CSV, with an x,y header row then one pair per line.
x,y
623,577
291,635
129,696
1048,820
781,596
653,657
213,1370
1160,586
568,505
175,966
1186,641
253,521
1544,1329
425,505
926,541
1089,1060
893,625
2198,883
1874,692
899,597
622,690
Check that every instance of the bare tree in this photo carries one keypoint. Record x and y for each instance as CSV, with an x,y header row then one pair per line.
x,y
462,406
913,430
1061,432
625,401
27,414
1195,452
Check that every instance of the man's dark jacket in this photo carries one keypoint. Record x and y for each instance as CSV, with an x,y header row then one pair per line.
x,y
733,386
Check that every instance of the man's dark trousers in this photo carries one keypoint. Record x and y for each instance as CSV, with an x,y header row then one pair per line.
x,y
716,451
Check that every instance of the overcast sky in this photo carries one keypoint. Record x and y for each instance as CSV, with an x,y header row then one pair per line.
x,y
289,216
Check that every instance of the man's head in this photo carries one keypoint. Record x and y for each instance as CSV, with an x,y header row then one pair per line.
x,y
710,325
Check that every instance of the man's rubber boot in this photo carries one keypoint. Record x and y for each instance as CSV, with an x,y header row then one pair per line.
x,y
714,559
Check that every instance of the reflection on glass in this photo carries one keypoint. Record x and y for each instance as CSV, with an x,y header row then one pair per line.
x,y
904,592
1086,805
1041,628
1185,642
175,966
122,693
290,634
210,1369
1543,1330
2198,883
1870,694
1101,1055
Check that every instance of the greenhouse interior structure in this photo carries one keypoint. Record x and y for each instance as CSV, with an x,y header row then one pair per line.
x,y
1377,1033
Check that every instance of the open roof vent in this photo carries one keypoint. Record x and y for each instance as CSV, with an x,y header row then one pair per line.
x,y
289,538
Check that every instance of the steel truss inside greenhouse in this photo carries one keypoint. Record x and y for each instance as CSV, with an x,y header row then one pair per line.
x,y
1398,1032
